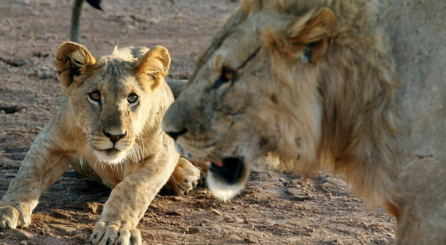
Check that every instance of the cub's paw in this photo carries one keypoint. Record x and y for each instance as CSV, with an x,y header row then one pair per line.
x,y
203,167
183,179
13,217
115,233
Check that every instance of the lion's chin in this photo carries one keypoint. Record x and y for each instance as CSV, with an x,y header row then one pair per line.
x,y
227,178
111,156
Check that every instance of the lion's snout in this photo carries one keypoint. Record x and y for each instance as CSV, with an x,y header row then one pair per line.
x,y
174,123
114,136
227,177
175,134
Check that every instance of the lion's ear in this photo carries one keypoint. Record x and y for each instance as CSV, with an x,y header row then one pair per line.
x,y
311,32
308,35
154,65
72,59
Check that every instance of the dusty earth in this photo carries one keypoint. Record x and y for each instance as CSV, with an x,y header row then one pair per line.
x,y
273,209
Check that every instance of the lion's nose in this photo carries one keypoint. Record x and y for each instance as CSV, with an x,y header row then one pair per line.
x,y
177,121
175,135
114,137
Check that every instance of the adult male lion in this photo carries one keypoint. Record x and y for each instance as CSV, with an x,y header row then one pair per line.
x,y
313,84
110,130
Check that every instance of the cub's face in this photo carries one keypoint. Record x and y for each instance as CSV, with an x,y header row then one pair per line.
x,y
108,107
114,100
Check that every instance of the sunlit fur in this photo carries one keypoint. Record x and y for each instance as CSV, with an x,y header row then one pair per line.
x,y
321,94
85,130
309,115
114,77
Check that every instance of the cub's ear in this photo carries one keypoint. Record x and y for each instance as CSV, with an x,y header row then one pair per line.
x,y
72,59
308,34
154,65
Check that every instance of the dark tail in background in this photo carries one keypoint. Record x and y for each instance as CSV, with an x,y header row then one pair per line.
x,y
76,16
95,4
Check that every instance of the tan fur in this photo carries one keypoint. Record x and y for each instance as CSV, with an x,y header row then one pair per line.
x,y
319,94
84,130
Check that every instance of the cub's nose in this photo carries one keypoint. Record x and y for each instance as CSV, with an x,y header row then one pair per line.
x,y
175,135
114,137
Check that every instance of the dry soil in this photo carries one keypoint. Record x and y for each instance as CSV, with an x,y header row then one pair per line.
x,y
273,209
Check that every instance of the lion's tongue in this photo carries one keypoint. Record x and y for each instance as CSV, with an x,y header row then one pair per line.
x,y
219,164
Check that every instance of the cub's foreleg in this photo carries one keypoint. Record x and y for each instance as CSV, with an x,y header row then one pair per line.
x,y
43,165
130,199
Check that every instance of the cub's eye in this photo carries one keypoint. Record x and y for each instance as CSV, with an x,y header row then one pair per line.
x,y
95,96
133,98
226,76
152,77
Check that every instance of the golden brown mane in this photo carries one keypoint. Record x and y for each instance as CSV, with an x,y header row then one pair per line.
x,y
323,93
357,89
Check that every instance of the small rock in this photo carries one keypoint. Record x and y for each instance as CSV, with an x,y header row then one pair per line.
x,y
22,235
251,239
193,230
215,211
205,221
60,214
178,199
95,207
174,212
154,20
230,219
44,74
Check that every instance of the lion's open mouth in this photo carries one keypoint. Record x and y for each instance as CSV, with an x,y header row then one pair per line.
x,y
229,169
227,177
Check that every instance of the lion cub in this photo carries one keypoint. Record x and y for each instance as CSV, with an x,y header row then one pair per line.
x,y
110,129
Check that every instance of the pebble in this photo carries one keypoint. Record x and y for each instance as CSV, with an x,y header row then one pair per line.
x,y
215,211
193,230
251,239
95,207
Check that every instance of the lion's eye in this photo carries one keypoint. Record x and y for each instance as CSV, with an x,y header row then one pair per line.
x,y
133,98
95,96
226,76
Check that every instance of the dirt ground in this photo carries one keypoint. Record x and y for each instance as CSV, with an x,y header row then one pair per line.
x,y
273,209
